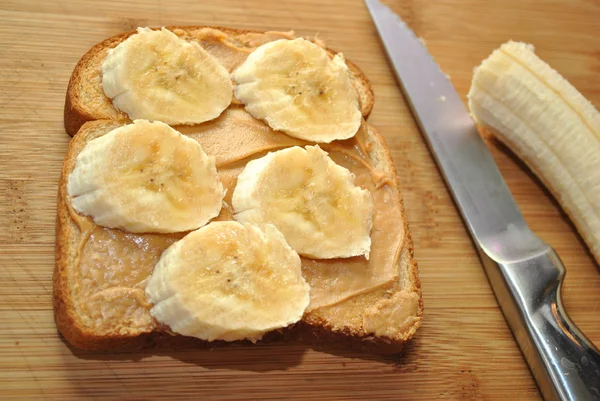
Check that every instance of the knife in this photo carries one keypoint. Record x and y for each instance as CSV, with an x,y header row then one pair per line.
x,y
524,272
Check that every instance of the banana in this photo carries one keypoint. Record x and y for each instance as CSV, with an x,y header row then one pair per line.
x,y
228,281
155,75
310,199
544,120
296,88
145,177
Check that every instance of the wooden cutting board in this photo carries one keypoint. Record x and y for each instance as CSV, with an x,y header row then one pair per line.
x,y
464,351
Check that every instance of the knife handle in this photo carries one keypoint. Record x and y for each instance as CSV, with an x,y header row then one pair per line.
x,y
565,364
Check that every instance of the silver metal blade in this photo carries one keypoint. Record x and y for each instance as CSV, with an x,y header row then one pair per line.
x,y
484,200
525,273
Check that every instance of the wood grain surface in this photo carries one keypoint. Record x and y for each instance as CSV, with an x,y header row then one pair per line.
x,y
464,351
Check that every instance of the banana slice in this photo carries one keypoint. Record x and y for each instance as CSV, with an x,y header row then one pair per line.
x,y
146,177
228,281
296,88
155,75
550,125
310,199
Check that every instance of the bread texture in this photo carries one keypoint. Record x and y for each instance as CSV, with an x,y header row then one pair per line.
x,y
347,324
85,100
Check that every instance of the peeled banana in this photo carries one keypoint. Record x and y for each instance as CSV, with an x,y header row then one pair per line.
x,y
296,88
228,281
155,75
550,125
145,177
310,199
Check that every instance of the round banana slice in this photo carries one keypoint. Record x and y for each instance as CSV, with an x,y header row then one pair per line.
x,y
310,199
146,177
296,88
228,281
155,75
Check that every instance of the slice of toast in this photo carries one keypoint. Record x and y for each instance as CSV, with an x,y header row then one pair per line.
x,y
85,100
94,312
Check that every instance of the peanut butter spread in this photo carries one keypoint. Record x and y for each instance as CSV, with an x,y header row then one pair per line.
x,y
113,266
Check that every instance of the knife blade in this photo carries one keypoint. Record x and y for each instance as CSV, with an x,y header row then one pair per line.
x,y
525,273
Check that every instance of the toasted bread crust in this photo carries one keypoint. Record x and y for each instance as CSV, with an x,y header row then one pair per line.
x,y
314,329
76,114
